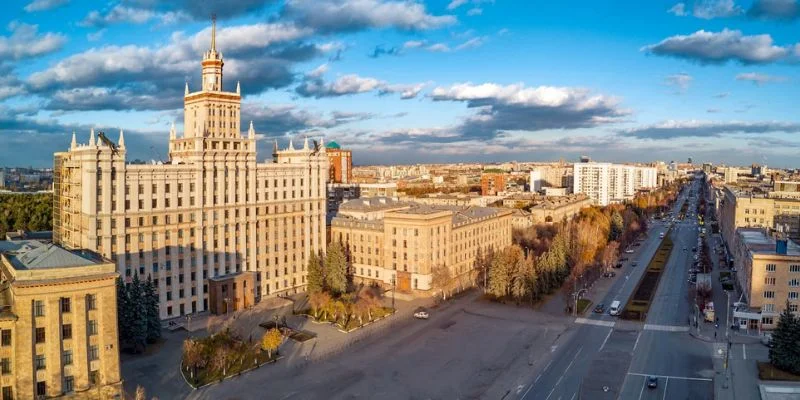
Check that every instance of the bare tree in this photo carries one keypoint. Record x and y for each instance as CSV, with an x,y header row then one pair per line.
x,y
440,279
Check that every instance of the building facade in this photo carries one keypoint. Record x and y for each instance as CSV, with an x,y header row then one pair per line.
x,y
341,164
740,209
58,323
607,183
493,183
401,243
212,209
557,209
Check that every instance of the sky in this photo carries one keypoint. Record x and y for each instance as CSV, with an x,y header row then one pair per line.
x,y
413,81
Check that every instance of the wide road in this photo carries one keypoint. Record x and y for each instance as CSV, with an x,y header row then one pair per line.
x,y
562,378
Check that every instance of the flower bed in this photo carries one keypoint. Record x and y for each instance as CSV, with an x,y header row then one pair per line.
x,y
348,323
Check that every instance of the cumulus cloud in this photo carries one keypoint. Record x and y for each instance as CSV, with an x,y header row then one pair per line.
x,y
344,85
456,3
760,79
710,9
520,108
42,5
720,47
678,10
475,11
681,81
25,41
786,10
413,44
693,128
472,43
407,92
439,48
202,10
280,120
350,15
123,14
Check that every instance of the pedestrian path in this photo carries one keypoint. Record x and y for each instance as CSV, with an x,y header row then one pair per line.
x,y
586,321
666,328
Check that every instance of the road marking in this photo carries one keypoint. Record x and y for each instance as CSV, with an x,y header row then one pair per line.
x,y
644,383
664,397
665,328
548,365
637,340
744,351
573,396
565,372
604,341
687,378
553,348
586,321
537,378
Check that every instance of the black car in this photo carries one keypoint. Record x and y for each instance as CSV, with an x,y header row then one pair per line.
x,y
652,382
609,274
619,265
600,308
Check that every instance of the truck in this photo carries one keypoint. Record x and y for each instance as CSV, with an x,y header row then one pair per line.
x,y
709,312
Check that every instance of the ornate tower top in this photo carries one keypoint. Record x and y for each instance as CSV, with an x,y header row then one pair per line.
x,y
212,63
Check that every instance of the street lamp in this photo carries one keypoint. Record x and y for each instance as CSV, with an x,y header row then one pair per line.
x,y
394,287
189,322
227,305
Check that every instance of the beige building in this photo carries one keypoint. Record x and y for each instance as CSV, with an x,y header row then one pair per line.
x,y
556,209
768,272
212,209
739,209
58,323
401,242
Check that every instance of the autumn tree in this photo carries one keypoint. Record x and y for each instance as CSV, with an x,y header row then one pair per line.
x,y
271,340
440,279
192,356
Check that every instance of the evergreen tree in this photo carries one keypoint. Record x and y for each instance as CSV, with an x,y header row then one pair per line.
x,y
315,278
335,269
138,331
153,320
785,351
123,312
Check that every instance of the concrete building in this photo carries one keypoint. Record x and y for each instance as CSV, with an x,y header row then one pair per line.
x,y
785,190
340,192
556,209
607,183
738,209
731,174
536,180
232,292
58,323
493,183
521,219
768,272
2,177
400,243
341,164
211,210
555,191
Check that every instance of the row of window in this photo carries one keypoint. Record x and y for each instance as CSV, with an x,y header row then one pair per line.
x,y
793,268
66,305
770,280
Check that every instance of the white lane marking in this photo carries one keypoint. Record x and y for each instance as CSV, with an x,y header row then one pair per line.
x,y
637,340
644,383
744,351
548,365
688,378
573,396
586,321
665,328
565,372
537,378
664,397
606,340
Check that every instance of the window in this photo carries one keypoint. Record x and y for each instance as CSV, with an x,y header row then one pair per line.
x,y
7,392
41,389
65,305
91,301
794,282
67,357
766,321
92,327
793,308
66,331
794,268
5,366
39,361
769,294
771,267
40,335
769,280
93,378
768,308
69,384
94,353
793,296
38,308
6,337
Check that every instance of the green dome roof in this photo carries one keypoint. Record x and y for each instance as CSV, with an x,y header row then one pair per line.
x,y
332,145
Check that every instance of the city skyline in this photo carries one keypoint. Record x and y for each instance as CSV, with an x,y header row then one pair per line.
x,y
621,82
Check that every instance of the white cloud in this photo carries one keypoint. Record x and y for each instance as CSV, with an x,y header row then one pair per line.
x,y
351,15
439,47
682,81
42,5
785,10
413,44
456,3
123,14
26,42
319,71
472,43
720,47
95,36
760,79
475,11
407,92
678,10
710,9
694,128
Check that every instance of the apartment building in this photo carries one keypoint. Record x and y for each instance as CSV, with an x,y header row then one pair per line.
x,y
493,183
742,208
58,323
557,209
399,243
341,163
768,272
607,183
211,210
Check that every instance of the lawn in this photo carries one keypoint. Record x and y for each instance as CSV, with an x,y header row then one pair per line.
x,y
583,304
223,355
768,372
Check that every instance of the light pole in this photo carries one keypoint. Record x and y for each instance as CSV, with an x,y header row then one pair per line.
x,y
189,322
394,287
227,305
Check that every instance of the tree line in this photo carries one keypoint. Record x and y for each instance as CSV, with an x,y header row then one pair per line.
x,y
137,313
28,212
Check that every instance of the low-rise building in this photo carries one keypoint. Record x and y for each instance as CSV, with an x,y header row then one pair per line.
x,y
521,219
741,208
399,243
768,273
555,209
58,322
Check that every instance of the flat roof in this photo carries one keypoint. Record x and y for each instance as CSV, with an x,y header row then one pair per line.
x,y
758,242
33,254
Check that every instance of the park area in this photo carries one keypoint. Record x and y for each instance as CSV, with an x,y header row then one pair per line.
x,y
639,303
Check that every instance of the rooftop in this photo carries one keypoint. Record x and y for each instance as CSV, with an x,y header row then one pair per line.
x,y
33,254
758,242
333,145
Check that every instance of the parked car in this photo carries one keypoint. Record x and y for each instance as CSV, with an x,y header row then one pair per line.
x,y
600,308
618,266
628,251
633,264
652,382
766,340
609,274
421,315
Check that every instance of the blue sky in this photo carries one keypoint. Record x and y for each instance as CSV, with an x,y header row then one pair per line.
x,y
416,81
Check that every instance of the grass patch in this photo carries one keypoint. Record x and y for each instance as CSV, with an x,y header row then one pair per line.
x,y
583,304
221,356
348,323
769,372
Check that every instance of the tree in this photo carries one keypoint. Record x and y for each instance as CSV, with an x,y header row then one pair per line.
x,y
271,340
440,278
151,316
138,331
504,267
192,356
318,302
617,226
336,269
785,351
609,255
315,277
220,359
141,394
124,317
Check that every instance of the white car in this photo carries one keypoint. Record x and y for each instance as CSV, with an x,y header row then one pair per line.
x,y
629,251
421,315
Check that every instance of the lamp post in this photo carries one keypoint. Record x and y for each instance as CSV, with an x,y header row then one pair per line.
x,y
394,287
577,296
227,305
189,322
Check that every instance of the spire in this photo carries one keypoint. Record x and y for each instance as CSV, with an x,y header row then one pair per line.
x,y
74,143
91,137
172,131
238,88
321,145
305,143
291,146
275,148
251,133
121,143
213,32
186,91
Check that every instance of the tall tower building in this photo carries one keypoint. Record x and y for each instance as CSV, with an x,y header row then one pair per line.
x,y
208,215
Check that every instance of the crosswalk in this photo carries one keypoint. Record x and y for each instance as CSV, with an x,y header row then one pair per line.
x,y
597,322
647,327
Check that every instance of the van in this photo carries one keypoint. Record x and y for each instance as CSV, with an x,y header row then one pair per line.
x,y
614,309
